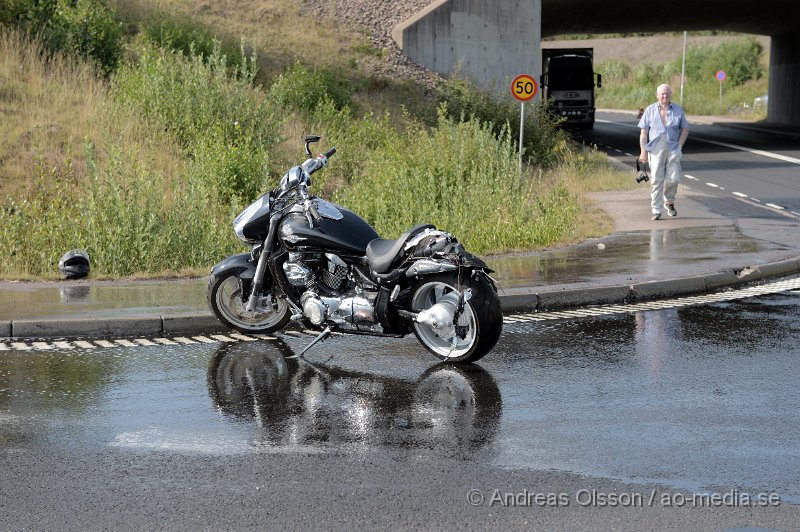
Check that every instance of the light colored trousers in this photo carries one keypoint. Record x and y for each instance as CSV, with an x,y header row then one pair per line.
x,y
665,174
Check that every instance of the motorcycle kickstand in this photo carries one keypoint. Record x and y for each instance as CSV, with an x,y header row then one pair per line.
x,y
323,335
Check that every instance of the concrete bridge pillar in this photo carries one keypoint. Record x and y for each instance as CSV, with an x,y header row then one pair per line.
x,y
487,41
784,79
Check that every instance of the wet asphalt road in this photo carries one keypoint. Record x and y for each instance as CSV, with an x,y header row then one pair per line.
x,y
599,423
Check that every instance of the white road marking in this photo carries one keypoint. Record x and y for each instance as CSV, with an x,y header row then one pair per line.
x,y
714,185
779,207
137,342
125,343
792,285
763,153
165,341
84,344
740,194
105,343
243,337
222,338
145,342
693,178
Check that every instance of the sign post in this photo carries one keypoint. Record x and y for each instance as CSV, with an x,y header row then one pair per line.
x,y
523,88
721,77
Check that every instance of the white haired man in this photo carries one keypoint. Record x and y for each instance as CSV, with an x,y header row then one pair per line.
x,y
663,131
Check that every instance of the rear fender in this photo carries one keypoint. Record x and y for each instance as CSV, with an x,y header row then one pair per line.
x,y
429,267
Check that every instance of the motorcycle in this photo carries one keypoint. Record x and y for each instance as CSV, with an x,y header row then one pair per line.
x,y
320,264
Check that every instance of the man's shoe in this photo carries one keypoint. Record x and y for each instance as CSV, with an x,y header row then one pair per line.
x,y
656,216
671,209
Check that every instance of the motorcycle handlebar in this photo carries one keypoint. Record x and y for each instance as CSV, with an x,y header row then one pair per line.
x,y
329,153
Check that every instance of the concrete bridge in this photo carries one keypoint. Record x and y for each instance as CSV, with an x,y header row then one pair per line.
x,y
490,41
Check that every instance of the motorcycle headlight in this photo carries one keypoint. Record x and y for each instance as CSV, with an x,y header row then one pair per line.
x,y
246,215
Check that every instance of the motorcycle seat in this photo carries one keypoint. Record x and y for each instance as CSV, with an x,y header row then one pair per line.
x,y
381,253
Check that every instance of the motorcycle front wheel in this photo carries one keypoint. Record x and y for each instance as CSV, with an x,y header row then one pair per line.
x,y
478,327
227,303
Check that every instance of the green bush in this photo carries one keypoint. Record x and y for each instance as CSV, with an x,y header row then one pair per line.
x,y
357,139
125,221
463,101
187,36
226,127
740,59
84,27
303,89
463,178
614,72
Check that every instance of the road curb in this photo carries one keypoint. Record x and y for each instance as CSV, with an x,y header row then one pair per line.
x,y
87,326
532,299
512,300
190,323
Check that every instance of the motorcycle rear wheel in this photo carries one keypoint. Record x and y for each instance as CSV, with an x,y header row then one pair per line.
x,y
482,317
225,298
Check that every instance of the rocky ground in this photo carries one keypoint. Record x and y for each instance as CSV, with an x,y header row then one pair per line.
x,y
377,18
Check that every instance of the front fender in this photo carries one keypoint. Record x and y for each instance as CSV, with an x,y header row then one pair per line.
x,y
241,265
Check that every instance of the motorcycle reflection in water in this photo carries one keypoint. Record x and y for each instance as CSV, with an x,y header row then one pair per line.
x,y
450,409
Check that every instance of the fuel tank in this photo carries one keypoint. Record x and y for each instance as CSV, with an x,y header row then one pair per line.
x,y
351,234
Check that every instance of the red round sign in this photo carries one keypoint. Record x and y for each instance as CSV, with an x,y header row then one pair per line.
x,y
721,75
524,87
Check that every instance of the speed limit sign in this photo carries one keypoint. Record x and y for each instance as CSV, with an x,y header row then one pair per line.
x,y
524,87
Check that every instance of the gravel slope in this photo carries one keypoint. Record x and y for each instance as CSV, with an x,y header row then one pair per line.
x,y
377,18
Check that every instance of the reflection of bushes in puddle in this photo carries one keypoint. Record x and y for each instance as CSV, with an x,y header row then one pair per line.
x,y
68,382
449,410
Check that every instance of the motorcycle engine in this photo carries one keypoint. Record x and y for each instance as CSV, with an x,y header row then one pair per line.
x,y
330,293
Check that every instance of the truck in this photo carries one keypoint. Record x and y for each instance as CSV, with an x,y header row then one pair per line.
x,y
568,81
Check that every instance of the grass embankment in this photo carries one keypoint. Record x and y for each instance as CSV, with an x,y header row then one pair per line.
x,y
145,164
742,59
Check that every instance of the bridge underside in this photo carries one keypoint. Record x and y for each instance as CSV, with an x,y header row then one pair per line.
x,y
492,40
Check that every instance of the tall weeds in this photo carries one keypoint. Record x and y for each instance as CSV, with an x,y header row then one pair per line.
x,y
463,178
741,59
224,125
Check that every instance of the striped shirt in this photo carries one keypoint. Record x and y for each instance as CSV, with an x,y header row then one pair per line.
x,y
651,120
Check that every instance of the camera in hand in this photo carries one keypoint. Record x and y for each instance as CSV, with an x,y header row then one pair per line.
x,y
642,169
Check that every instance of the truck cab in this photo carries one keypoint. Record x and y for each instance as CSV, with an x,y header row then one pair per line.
x,y
568,82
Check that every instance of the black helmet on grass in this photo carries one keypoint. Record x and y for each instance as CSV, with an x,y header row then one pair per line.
x,y
74,264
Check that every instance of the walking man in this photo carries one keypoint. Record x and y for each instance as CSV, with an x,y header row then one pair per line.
x,y
663,132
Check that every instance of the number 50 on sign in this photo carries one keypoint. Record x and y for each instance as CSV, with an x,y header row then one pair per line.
x,y
524,87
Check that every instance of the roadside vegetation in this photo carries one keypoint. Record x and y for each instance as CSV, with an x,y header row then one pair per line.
x,y
743,61
141,140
